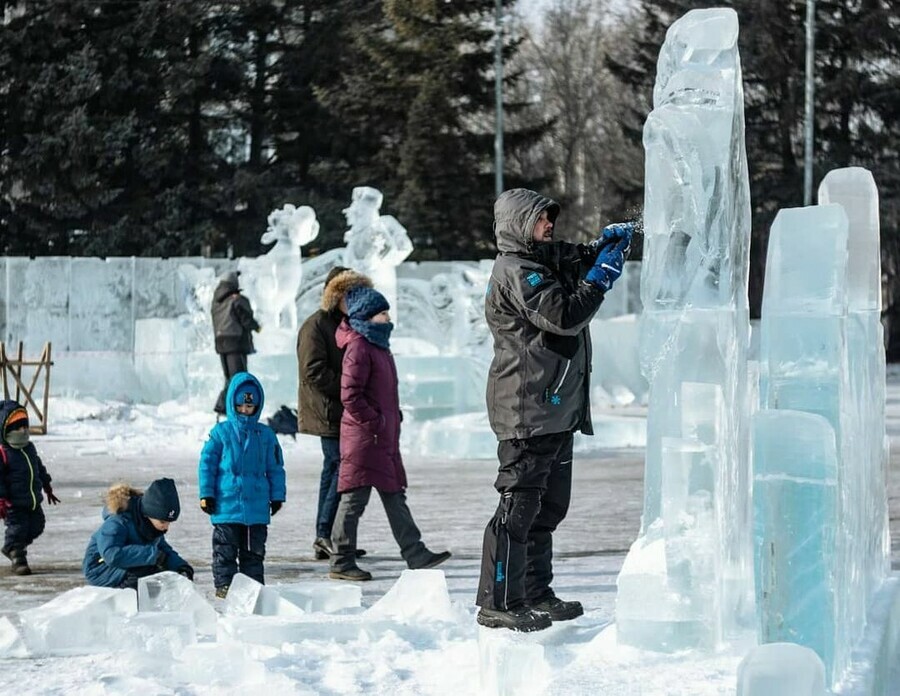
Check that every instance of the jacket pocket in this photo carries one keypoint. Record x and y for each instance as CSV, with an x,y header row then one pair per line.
x,y
554,389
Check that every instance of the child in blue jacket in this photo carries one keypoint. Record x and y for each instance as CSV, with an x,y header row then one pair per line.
x,y
242,481
22,478
131,544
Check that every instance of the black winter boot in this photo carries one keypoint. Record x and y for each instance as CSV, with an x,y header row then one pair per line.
x,y
432,560
521,619
354,574
19,562
558,609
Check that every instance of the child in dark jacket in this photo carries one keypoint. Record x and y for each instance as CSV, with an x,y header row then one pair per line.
x,y
242,483
370,438
131,544
22,478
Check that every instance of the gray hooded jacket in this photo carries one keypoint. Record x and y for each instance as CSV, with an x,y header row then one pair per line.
x,y
538,308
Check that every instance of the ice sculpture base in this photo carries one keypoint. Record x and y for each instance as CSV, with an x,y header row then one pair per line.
x,y
874,657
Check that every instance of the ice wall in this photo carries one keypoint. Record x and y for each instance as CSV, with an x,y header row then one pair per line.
x,y
687,578
139,330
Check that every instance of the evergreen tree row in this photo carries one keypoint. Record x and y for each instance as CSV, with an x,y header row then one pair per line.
x,y
170,127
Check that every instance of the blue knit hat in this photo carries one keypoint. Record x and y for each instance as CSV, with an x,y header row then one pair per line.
x,y
247,393
364,303
160,500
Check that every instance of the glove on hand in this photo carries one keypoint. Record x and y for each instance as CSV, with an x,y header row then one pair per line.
x,y
5,507
275,506
208,505
612,234
161,560
608,266
187,572
52,499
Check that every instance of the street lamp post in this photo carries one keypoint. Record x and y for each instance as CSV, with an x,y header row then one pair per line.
x,y
809,107
498,95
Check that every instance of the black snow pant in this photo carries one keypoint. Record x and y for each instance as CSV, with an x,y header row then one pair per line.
x,y
238,548
535,485
23,526
232,363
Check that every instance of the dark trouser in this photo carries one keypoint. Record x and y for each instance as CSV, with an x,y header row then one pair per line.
x,y
328,495
238,548
23,526
535,484
232,363
350,509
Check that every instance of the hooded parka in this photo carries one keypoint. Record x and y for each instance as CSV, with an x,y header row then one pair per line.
x,y
370,424
538,308
241,464
232,318
22,473
126,539
319,360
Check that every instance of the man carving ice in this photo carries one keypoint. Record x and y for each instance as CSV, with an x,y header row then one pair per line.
x,y
540,299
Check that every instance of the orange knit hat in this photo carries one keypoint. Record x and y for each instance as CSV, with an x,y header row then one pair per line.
x,y
18,418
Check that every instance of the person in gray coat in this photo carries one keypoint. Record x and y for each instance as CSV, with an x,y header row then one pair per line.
x,y
541,297
232,319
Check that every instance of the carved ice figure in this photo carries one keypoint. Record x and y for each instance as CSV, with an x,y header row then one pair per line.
x,y
271,281
685,580
376,244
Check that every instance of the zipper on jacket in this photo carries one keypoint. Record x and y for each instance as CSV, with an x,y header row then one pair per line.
x,y
563,378
30,480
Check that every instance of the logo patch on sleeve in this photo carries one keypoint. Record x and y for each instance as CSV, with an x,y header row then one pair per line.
x,y
533,278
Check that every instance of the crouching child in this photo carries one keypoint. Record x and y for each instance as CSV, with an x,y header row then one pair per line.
x,y
22,478
131,544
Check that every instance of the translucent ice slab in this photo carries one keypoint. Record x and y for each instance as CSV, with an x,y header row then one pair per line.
x,y
170,591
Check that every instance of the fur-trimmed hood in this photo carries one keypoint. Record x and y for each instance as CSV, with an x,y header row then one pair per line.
x,y
340,285
119,496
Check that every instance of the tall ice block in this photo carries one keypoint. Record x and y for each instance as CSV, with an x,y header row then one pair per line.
x,y
795,502
687,580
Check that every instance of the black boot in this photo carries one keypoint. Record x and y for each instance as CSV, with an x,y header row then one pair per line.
x,y
354,574
323,548
19,562
521,619
558,609
432,560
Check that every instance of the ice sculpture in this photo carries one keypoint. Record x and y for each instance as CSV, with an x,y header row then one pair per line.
x,y
854,189
822,353
376,244
686,581
272,280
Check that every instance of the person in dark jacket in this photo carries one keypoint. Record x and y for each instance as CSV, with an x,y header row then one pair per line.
x,y
233,322
242,484
319,396
370,438
131,543
541,297
22,478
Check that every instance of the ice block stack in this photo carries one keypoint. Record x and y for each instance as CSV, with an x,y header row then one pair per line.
x,y
819,494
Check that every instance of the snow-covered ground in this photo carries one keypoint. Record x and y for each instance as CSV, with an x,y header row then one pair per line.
x,y
93,445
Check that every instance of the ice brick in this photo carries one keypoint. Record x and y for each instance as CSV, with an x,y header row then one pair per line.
x,y
418,595
162,633
781,669
247,596
322,597
510,665
171,592
76,621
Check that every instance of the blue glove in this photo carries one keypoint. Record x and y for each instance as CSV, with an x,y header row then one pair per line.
x,y
608,266
612,234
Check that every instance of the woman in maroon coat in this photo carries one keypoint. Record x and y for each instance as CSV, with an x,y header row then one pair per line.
x,y
370,438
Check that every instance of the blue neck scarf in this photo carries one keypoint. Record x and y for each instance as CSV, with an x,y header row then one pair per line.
x,y
379,334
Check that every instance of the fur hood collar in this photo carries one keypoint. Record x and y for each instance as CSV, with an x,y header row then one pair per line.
x,y
119,496
340,285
